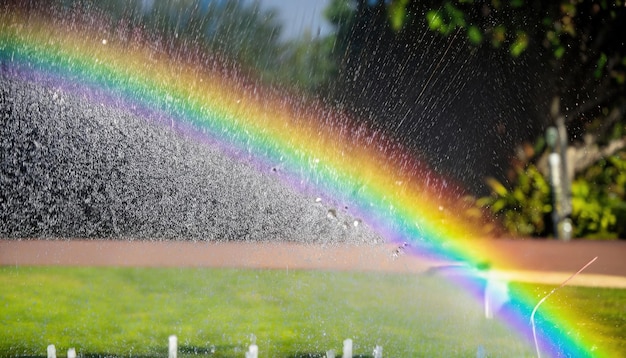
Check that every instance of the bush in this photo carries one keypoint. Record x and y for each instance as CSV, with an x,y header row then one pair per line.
x,y
598,201
524,208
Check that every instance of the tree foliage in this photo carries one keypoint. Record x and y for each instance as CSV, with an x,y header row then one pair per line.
x,y
598,201
524,209
581,41
532,51
437,94
240,33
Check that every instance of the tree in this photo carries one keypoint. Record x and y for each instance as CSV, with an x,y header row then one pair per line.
x,y
237,31
401,66
580,42
305,64
437,94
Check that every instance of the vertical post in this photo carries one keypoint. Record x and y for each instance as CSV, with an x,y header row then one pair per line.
x,y
554,162
330,354
172,350
565,226
52,351
71,353
378,352
253,351
567,185
556,137
347,348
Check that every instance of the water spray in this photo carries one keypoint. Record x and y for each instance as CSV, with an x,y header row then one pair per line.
x,y
532,315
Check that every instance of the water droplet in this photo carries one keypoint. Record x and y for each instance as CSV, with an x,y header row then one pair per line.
x,y
399,251
331,214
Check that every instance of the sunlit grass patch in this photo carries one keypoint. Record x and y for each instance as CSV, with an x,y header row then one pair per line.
x,y
219,312
603,309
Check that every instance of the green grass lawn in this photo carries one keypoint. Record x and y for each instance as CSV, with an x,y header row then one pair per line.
x,y
219,312
604,310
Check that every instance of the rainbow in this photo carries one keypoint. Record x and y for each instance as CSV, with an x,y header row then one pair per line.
x,y
317,149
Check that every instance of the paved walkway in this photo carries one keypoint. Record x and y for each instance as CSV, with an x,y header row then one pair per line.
x,y
540,261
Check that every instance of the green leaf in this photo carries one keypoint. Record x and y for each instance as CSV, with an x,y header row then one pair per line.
x,y
435,22
397,14
559,52
457,17
520,44
475,35
518,194
497,187
484,202
498,205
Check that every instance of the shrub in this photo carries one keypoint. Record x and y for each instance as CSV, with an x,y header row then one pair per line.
x,y
523,208
598,201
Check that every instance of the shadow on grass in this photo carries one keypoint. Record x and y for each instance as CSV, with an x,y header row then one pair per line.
x,y
195,350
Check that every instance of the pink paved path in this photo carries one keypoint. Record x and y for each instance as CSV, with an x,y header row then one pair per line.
x,y
542,261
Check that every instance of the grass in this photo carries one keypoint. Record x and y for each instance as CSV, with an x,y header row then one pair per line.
x,y
603,308
219,312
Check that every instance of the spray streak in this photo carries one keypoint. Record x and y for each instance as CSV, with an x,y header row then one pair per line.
x,y
432,74
532,315
430,77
